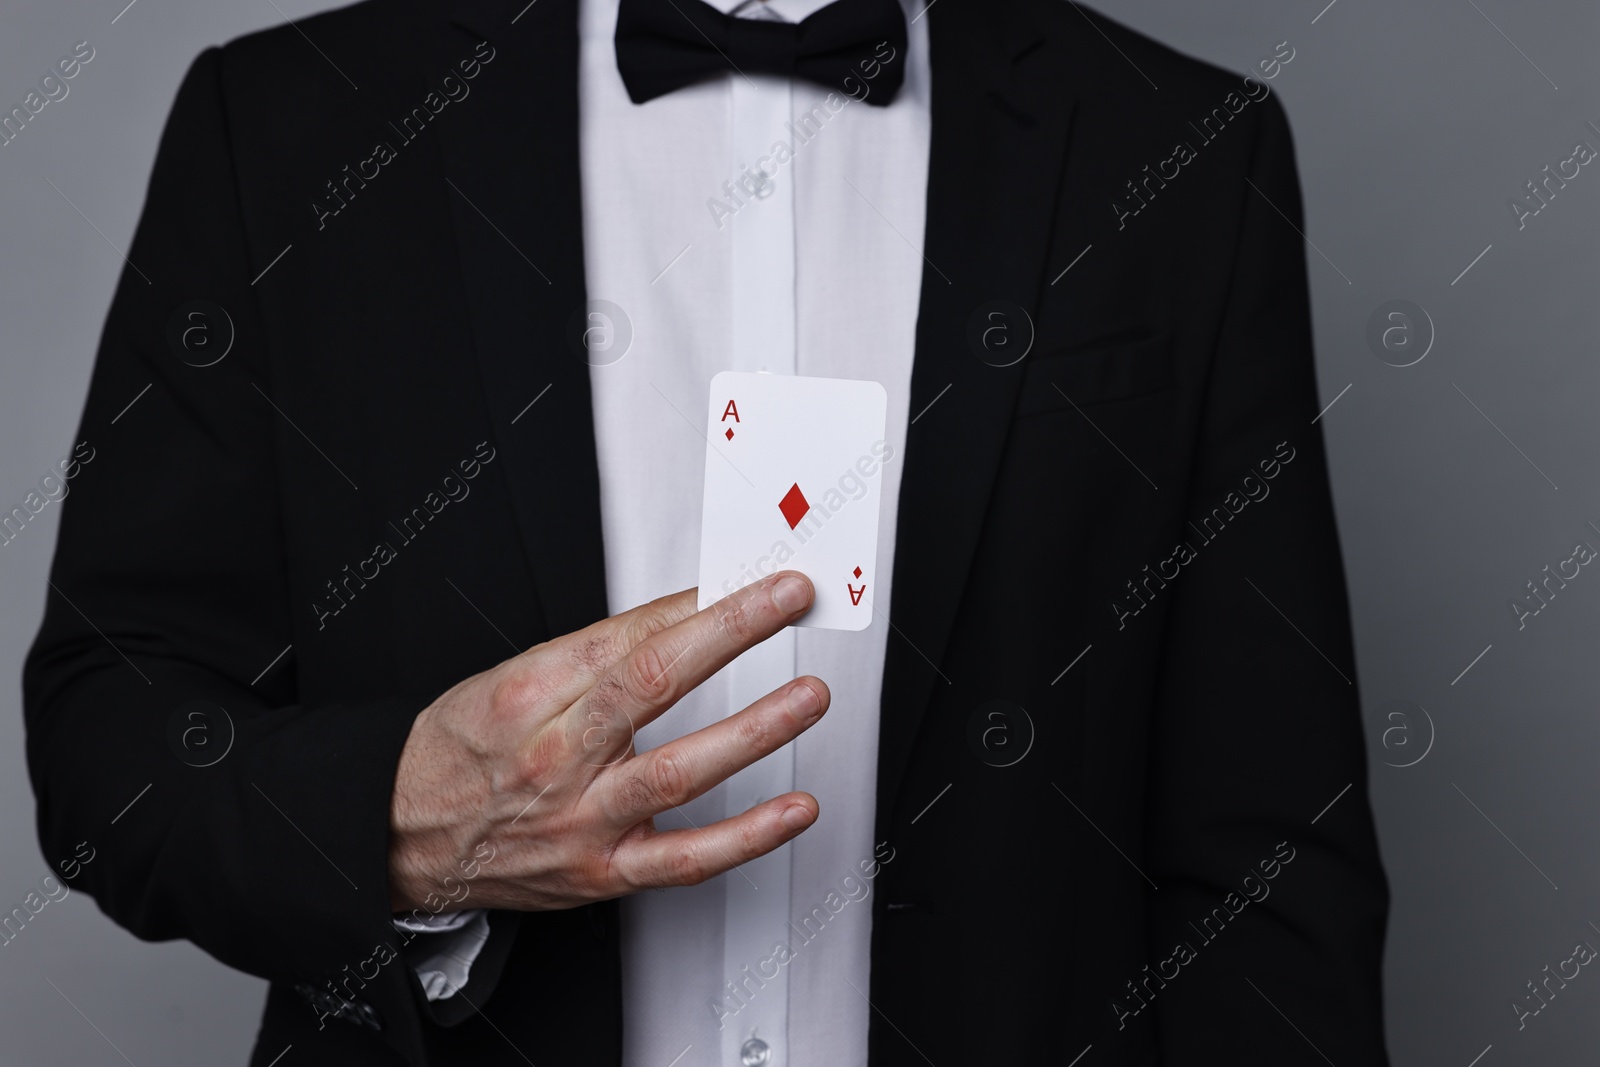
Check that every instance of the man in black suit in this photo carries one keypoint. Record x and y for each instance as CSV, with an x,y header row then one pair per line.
x,y
1128,533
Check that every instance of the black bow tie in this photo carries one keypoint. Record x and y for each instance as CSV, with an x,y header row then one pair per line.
x,y
854,47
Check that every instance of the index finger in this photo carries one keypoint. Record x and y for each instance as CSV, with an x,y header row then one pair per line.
x,y
662,668
592,651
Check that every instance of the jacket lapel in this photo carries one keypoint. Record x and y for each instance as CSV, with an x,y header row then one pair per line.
x,y
1001,115
510,154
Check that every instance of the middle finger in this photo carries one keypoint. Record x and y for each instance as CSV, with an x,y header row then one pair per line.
x,y
661,669
678,771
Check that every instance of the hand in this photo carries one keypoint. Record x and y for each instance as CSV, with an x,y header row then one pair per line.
x,y
534,759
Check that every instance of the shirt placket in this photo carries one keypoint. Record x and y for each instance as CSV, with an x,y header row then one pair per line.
x,y
762,308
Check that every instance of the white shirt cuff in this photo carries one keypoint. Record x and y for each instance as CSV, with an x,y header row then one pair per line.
x,y
443,959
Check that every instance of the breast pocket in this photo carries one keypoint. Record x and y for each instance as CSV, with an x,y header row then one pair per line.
x,y
1103,372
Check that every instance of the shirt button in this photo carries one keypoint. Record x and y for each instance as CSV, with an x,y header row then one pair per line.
x,y
755,1053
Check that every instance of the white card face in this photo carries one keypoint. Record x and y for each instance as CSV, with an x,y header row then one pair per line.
x,y
794,478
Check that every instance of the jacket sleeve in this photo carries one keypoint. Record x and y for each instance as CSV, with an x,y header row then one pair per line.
x,y
1281,903
163,723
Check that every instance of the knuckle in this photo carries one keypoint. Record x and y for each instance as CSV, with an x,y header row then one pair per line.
x,y
754,731
752,841
738,621
669,779
733,622
515,691
647,677
685,867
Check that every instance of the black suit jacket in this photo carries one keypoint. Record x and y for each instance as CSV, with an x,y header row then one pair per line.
x,y
1160,876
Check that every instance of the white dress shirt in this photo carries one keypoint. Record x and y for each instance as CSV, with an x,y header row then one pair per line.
x,y
818,273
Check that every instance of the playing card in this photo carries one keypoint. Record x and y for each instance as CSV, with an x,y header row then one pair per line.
x,y
794,478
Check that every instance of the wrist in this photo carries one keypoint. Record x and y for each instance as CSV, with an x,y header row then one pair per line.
x,y
420,838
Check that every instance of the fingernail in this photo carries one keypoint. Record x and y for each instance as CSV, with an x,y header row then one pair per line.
x,y
804,702
790,594
796,817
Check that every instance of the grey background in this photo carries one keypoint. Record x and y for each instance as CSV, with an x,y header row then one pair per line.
x,y
1456,480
